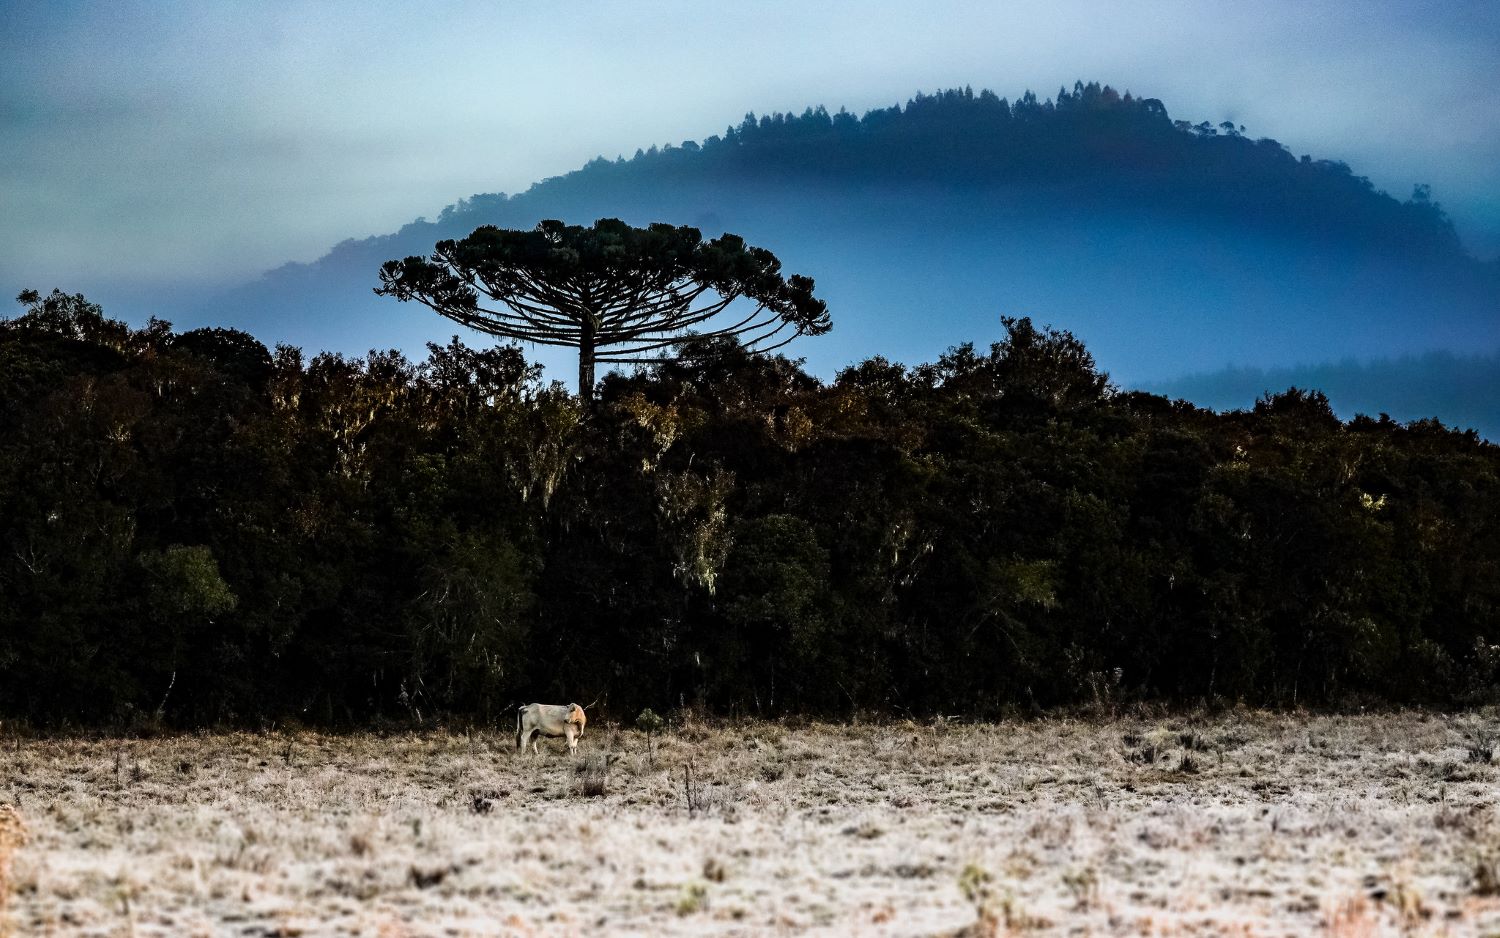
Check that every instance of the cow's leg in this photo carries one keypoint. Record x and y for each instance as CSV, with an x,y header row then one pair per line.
x,y
572,740
536,738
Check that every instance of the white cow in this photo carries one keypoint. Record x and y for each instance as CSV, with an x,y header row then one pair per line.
x,y
552,720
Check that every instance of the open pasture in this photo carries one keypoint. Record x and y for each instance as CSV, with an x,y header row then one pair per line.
x,y
1246,823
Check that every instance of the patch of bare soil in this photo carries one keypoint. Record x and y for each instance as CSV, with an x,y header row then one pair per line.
x,y
1250,824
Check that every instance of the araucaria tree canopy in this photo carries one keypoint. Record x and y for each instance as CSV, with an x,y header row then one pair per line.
x,y
617,293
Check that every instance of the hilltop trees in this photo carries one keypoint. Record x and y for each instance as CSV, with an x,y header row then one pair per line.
x,y
617,293
1093,140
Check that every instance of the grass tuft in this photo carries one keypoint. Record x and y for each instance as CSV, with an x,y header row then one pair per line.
x,y
13,836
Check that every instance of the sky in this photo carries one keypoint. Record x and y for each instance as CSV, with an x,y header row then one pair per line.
x,y
199,143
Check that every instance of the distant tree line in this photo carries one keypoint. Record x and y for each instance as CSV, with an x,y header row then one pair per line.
x,y
196,529
1465,389
1091,140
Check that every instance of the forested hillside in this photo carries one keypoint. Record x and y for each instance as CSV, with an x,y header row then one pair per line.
x,y
199,529
1092,137
1170,247
1093,141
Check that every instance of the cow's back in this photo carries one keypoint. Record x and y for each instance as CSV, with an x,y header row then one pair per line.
x,y
550,719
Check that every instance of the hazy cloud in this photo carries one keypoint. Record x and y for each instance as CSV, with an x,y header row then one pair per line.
x,y
175,141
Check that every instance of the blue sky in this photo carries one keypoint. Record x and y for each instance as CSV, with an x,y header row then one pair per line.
x,y
200,143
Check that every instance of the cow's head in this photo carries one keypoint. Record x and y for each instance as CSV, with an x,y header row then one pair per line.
x,y
576,716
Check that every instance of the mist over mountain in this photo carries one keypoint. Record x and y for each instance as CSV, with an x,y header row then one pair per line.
x,y
1171,248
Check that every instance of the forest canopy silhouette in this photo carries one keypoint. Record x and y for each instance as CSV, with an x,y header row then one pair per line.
x,y
203,530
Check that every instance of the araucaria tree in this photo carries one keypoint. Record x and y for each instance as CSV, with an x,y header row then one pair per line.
x,y
617,293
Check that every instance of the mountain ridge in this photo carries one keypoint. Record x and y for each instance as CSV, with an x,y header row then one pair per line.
x,y
1172,247
762,135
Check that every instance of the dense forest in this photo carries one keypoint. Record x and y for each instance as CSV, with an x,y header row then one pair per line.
x,y
199,530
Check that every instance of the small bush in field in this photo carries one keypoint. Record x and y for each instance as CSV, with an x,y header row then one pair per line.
x,y
650,723
694,898
595,776
1482,751
1487,876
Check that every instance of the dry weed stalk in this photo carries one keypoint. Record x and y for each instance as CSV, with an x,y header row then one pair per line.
x,y
693,797
12,838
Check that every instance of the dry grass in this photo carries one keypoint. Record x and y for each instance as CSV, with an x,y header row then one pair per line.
x,y
12,838
1250,824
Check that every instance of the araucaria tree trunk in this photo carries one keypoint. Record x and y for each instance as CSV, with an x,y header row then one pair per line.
x,y
586,338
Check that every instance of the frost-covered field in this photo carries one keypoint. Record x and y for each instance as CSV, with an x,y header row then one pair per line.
x,y
1242,824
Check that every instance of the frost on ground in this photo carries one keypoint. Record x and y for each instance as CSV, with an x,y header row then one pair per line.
x,y
1249,824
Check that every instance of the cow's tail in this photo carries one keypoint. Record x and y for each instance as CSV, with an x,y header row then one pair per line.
x,y
519,711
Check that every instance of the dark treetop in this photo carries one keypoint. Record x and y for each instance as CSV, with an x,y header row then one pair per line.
x,y
617,293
